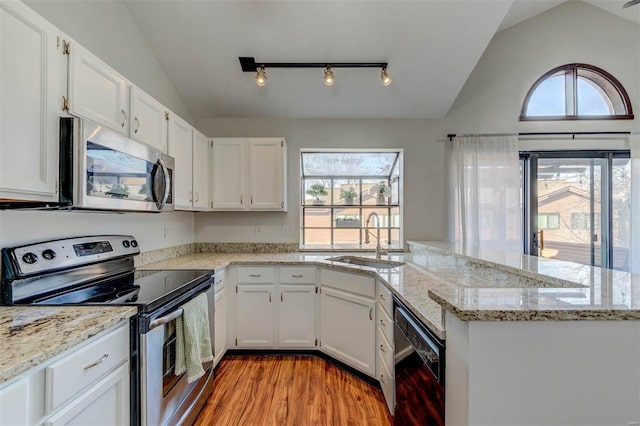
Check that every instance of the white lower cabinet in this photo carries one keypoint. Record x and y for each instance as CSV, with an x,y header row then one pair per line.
x,y
347,329
386,346
255,316
273,308
297,316
106,403
14,403
220,322
89,384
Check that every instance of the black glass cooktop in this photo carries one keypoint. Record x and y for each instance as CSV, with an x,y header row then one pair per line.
x,y
145,289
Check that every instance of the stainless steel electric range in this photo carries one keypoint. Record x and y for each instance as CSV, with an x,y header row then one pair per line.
x,y
99,270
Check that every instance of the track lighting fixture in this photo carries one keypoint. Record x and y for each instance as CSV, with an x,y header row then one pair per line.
x,y
385,77
329,78
249,64
261,76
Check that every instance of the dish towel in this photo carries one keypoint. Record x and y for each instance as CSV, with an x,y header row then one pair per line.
x,y
193,341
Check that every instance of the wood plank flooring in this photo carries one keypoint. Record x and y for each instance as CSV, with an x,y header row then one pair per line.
x,y
297,390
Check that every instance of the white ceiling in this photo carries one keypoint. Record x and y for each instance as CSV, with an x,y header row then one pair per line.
x,y
432,47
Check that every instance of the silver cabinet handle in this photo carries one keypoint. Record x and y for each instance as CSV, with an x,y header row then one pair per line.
x,y
124,117
382,379
100,361
197,197
382,348
241,199
255,275
269,297
382,297
190,196
297,276
167,318
137,124
382,323
281,297
371,314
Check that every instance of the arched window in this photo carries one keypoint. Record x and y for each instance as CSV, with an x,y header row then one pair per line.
x,y
577,92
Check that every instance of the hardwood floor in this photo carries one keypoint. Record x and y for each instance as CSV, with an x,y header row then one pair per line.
x,y
297,390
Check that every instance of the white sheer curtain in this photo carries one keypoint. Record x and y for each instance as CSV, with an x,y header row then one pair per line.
x,y
634,248
486,185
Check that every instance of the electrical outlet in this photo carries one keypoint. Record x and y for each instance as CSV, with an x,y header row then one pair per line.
x,y
258,229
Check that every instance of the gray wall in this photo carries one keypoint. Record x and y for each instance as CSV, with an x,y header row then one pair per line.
x,y
423,172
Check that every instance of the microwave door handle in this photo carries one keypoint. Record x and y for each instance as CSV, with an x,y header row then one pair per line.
x,y
159,196
167,184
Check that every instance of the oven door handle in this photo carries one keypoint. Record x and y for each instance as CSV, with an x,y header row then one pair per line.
x,y
165,319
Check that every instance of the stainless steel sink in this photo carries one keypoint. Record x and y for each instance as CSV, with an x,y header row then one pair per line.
x,y
365,261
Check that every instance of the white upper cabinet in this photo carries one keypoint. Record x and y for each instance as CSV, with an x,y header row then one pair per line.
x,y
97,91
180,148
228,178
201,179
149,118
30,58
267,177
249,174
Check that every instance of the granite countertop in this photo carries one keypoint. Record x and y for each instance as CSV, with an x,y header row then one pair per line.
x,y
570,291
31,335
474,284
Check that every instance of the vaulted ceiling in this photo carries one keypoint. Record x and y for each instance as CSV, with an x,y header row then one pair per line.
x,y
431,46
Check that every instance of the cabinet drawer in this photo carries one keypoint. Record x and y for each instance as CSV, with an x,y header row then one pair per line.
x,y
385,323
385,299
85,366
385,353
358,284
256,274
292,275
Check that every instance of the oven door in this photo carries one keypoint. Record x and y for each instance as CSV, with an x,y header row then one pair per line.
x,y
167,399
104,170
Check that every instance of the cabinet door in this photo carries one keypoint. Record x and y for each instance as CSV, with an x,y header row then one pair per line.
x,y
347,329
106,403
267,177
29,104
148,122
200,171
255,316
14,403
180,148
97,91
228,178
220,326
297,316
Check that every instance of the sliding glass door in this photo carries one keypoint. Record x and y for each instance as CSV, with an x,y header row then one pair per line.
x,y
577,206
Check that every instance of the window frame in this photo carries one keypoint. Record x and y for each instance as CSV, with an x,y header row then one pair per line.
x,y
362,208
571,93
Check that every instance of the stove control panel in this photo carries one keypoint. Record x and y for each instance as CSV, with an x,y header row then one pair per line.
x,y
65,253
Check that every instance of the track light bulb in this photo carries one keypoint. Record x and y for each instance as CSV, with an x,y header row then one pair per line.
x,y
385,77
261,76
329,78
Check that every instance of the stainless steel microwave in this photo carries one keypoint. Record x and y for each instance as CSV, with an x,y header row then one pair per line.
x,y
103,170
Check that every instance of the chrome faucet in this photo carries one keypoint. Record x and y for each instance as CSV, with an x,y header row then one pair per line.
x,y
379,250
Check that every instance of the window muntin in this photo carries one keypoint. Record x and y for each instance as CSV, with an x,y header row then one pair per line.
x,y
576,92
335,207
